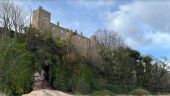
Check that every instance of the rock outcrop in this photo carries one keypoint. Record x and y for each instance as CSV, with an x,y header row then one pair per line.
x,y
47,92
1,94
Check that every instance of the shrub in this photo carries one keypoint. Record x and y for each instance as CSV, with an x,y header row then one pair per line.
x,y
15,66
82,87
77,81
60,77
115,88
120,88
85,78
84,72
60,43
70,58
99,84
4,92
140,92
103,93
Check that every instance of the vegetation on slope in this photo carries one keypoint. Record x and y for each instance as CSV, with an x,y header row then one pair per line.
x,y
123,69
15,66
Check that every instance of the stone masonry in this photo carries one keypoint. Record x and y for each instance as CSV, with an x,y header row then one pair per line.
x,y
86,47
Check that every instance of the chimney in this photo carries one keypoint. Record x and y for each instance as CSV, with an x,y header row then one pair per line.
x,y
40,7
58,24
76,31
93,38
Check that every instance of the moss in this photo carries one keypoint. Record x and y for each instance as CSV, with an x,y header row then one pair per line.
x,y
60,43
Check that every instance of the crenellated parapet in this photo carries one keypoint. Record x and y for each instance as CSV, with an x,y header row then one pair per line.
x,y
85,46
41,19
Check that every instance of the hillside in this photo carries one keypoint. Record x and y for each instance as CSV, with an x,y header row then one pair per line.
x,y
33,59
56,65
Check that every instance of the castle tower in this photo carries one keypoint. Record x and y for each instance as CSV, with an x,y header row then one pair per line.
x,y
93,40
41,19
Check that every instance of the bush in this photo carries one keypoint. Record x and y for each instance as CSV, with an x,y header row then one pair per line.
x,y
57,75
60,43
120,88
115,88
82,87
61,78
103,93
78,81
99,84
4,92
140,92
85,72
70,58
85,78
15,66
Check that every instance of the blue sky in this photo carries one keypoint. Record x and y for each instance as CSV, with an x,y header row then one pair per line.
x,y
144,25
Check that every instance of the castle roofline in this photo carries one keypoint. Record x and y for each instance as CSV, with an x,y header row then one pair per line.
x,y
41,8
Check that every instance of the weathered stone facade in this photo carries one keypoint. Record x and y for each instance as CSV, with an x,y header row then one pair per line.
x,y
86,47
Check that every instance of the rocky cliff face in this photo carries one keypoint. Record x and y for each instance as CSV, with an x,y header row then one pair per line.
x,y
46,92
40,82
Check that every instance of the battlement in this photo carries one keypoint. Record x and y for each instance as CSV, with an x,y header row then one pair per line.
x,y
86,47
42,20
62,30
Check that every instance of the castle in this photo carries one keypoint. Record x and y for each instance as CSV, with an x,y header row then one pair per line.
x,y
86,47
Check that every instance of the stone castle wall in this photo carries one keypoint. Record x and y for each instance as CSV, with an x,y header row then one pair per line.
x,y
86,47
41,19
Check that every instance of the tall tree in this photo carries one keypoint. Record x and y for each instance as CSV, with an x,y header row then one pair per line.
x,y
109,39
138,67
117,64
5,15
12,16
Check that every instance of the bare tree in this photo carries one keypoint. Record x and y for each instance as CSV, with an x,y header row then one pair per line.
x,y
13,17
17,18
5,13
108,39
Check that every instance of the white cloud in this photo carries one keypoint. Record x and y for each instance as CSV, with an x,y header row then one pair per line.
x,y
161,39
93,3
142,23
153,13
